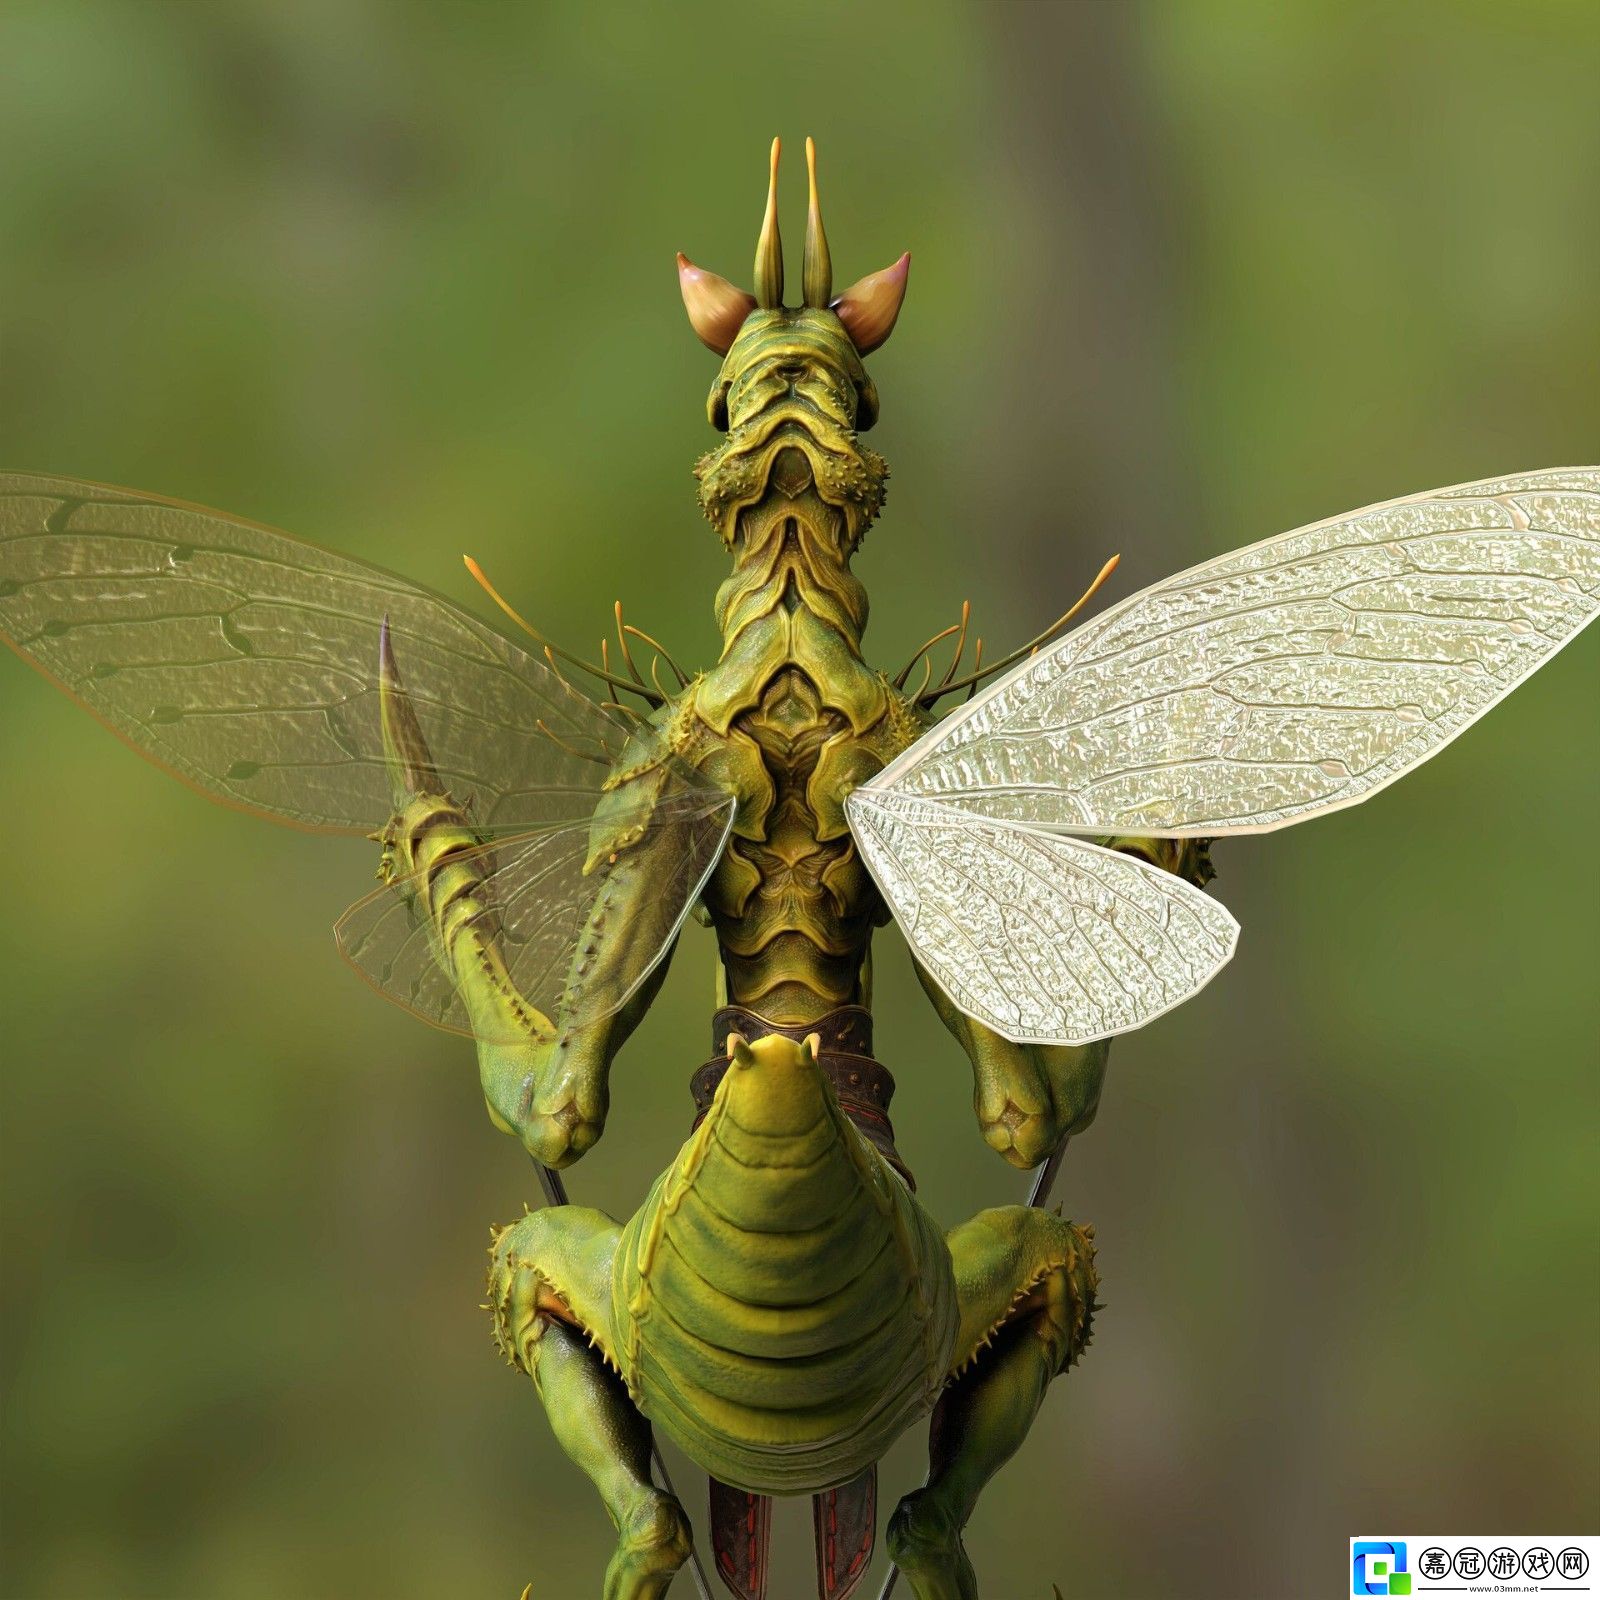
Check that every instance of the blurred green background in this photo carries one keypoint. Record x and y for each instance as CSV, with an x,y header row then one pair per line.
x,y
399,277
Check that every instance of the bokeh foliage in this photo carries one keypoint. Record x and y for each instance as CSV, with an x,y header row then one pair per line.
x,y
398,277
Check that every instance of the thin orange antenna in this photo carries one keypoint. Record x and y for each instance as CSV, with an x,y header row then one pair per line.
x,y
550,650
961,645
1035,642
572,750
500,600
555,666
905,671
622,642
661,650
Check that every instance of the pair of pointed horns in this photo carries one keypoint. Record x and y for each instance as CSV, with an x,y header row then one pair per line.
x,y
739,1050
867,309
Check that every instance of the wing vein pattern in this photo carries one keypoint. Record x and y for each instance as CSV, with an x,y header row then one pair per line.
x,y
245,661
1046,938
1291,678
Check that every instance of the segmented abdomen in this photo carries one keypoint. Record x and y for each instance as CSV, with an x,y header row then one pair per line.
x,y
790,1310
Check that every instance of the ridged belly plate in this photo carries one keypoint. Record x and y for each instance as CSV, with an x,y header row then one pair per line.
x,y
786,1348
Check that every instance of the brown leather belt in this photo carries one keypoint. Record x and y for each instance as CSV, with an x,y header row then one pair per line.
x,y
863,1086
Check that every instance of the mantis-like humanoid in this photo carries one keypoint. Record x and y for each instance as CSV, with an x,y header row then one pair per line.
x,y
781,1305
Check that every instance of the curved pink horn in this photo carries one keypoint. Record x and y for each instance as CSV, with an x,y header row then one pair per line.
x,y
869,307
716,309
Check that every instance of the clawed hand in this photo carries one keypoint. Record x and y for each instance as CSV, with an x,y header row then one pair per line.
x,y
553,1099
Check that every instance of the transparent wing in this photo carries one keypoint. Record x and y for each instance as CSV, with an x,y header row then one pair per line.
x,y
1293,677
535,903
1045,938
245,662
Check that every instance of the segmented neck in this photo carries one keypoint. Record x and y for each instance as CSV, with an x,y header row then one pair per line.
x,y
790,554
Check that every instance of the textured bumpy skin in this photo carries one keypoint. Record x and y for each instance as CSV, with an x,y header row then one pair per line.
x,y
786,1307
788,721
780,1305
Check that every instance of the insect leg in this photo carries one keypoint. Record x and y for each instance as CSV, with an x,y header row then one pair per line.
x,y
549,1291
1025,1282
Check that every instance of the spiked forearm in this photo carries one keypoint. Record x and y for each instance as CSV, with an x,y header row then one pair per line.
x,y
557,1105
544,1079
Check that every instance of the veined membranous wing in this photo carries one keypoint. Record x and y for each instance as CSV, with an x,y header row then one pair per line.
x,y
245,662
1290,678
1047,938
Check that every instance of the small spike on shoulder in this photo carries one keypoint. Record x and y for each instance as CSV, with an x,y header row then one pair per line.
x,y
406,752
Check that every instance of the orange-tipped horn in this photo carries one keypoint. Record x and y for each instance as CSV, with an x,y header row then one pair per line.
x,y
868,308
716,309
817,278
769,248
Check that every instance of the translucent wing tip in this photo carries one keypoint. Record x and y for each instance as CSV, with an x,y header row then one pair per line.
x,y
1045,938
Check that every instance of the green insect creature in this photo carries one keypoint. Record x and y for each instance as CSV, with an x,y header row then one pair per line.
x,y
781,1306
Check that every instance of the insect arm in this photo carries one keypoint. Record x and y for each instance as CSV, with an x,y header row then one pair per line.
x,y
1027,1097
544,1079
554,1095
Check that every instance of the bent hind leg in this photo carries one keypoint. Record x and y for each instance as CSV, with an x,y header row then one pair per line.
x,y
550,1291
1025,1282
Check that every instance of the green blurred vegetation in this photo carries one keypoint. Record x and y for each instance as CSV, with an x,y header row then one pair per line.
x,y
399,277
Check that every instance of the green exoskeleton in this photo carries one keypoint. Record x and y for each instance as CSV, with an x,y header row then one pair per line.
x,y
781,1305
